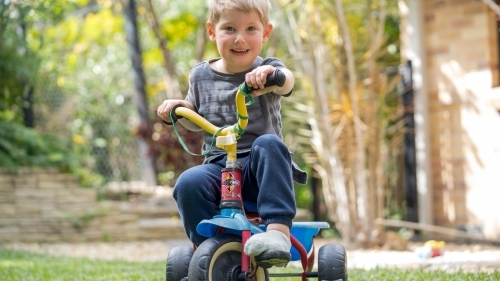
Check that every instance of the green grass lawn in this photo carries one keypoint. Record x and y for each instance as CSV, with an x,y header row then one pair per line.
x,y
16,266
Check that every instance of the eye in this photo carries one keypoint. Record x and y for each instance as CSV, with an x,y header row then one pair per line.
x,y
251,28
229,28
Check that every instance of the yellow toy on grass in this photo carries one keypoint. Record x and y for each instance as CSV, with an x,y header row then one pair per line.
x,y
431,249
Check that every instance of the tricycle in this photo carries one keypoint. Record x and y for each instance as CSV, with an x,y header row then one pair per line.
x,y
221,256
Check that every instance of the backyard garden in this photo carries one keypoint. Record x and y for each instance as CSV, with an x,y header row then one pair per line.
x,y
80,81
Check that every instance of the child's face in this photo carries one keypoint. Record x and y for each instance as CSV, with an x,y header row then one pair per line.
x,y
239,37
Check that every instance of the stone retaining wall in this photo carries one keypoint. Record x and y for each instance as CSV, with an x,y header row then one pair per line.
x,y
43,205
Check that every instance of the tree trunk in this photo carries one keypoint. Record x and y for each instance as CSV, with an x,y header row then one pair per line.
x,y
147,161
28,112
310,62
201,42
25,83
375,32
359,165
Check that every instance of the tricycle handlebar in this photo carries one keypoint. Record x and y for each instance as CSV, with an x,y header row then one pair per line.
x,y
277,78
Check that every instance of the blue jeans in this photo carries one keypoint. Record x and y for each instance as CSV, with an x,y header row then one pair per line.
x,y
267,180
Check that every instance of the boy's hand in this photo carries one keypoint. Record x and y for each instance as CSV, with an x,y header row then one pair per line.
x,y
257,78
163,110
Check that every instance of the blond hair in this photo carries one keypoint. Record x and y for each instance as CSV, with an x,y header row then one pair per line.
x,y
217,7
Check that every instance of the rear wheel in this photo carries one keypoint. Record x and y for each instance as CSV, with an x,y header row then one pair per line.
x,y
178,262
218,258
332,263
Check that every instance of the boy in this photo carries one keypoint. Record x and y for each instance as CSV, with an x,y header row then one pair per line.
x,y
240,28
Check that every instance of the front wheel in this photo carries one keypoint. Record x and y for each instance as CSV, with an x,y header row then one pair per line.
x,y
217,258
332,263
178,262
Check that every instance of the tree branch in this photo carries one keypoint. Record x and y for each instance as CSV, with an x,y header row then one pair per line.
x,y
172,88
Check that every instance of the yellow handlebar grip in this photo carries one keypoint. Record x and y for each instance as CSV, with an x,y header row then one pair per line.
x,y
194,117
241,109
202,122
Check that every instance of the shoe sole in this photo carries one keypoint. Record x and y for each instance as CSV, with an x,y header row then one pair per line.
x,y
272,258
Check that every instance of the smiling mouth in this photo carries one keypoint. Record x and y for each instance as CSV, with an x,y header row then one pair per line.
x,y
240,52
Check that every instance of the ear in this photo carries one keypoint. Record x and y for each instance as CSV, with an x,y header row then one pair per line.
x,y
210,30
268,29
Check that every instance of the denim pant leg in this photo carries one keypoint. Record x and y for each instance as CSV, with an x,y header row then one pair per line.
x,y
267,180
197,193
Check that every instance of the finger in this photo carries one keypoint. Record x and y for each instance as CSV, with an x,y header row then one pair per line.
x,y
161,114
161,109
258,81
251,81
263,79
255,82
247,80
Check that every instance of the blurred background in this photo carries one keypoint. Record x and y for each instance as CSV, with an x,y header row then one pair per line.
x,y
395,111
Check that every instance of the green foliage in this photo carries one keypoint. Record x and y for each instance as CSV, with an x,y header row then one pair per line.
x,y
19,57
22,146
303,195
20,62
330,233
77,59
18,66
92,71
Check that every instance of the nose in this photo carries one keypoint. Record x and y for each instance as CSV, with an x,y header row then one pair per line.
x,y
239,38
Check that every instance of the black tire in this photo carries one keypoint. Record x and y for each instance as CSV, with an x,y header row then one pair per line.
x,y
216,256
178,262
332,263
